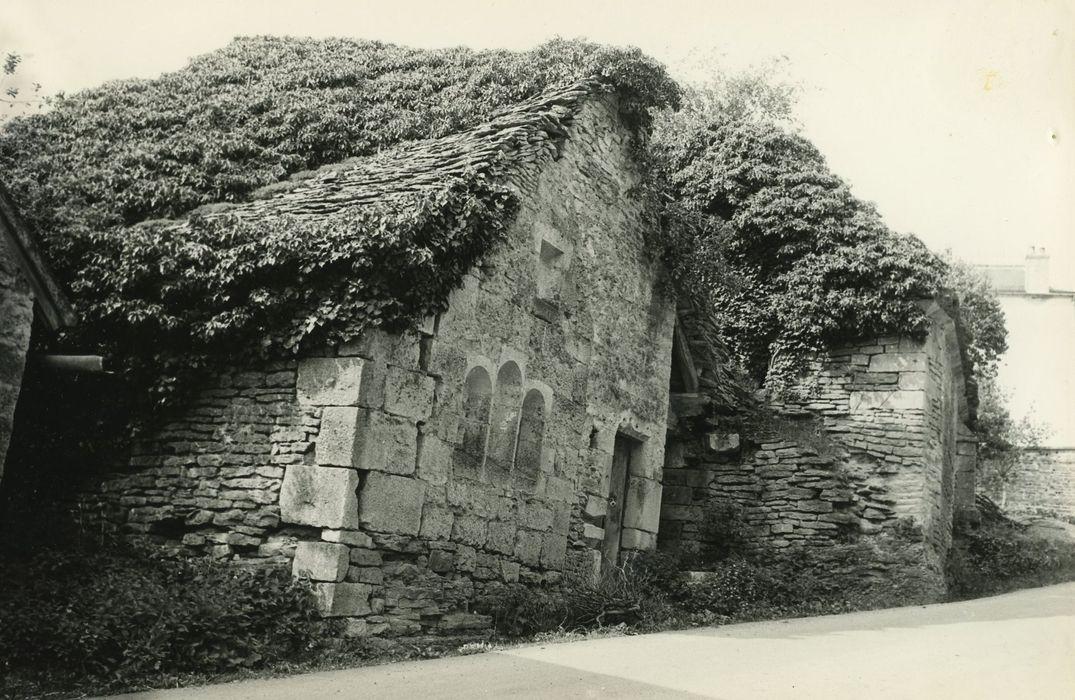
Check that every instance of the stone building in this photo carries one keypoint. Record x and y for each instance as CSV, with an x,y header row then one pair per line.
x,y
28,292
519,436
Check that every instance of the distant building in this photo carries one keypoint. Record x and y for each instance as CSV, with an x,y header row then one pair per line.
x,y
1037,370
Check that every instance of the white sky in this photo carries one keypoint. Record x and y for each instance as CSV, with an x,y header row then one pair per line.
x,y
956,117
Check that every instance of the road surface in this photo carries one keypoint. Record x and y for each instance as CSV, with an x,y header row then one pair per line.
x,y
1020,645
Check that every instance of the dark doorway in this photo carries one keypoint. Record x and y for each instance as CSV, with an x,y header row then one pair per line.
x,y
623,453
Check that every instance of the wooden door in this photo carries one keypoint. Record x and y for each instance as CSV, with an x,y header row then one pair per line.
x,y
617,496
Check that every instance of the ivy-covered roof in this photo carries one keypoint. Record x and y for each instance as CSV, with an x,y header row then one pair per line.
x,y
519,136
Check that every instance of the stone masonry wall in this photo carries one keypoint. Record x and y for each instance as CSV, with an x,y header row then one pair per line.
x,y
409,474
16,319
872,447
208,482
1043,486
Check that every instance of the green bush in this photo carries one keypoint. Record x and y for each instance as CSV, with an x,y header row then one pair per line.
x,y
1003,556
119,616
523,611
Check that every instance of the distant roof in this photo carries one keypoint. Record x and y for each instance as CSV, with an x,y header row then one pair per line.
x,y
1011,279
49,299
1005,278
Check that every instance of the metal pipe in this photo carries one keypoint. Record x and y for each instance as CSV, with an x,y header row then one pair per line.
x,y
74,363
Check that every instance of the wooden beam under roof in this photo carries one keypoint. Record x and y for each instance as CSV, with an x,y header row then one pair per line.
x,y
49,299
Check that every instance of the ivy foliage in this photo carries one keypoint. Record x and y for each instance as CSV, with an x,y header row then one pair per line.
x,y
165,301
801,262
776,246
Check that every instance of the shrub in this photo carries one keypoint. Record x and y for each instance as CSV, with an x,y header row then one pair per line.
x,y
123,615
734,585
522,611
1002,556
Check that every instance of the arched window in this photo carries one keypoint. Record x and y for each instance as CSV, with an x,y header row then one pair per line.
x,y
475,428
531,436
505,423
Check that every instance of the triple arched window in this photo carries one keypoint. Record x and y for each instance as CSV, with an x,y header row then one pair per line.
x,y
502,429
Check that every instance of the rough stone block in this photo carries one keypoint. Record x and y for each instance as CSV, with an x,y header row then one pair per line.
x,y
391,504
898,362
470,530
351,537
336,440
593,532
386,443
329,381
597,507
365,557
528,547
557,489
434,460
319,496
631,538
535,516
397,349
509,571
899,400
367,439
553,551
408,394
642,510
561,518
912,380
440,561
343,599
320,561
436,523
501,537
723,442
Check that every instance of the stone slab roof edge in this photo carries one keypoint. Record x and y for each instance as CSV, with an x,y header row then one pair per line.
x,y
49,299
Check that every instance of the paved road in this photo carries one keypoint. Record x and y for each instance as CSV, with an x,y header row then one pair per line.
x,y
1020,645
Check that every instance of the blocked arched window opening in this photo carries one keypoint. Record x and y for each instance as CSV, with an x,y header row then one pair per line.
x,y
531,437
504,426
475,428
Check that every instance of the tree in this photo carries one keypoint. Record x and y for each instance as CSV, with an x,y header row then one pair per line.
x,y
985,335
809,263
14,89
1005,444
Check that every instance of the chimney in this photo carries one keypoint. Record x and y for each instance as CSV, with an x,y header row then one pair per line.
x,y
1037,271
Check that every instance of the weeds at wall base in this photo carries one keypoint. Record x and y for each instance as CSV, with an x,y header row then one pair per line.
x,y
650,594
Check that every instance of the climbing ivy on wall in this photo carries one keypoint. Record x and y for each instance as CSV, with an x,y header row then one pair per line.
x,y
164,301
801,262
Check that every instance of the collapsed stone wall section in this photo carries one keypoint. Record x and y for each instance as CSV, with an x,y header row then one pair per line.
x,y
875,444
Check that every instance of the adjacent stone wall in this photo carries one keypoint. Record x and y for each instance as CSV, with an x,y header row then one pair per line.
x,y
409,474
16,319
1043,486
209,481
873,446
